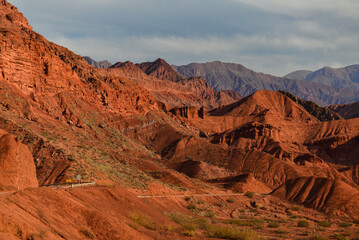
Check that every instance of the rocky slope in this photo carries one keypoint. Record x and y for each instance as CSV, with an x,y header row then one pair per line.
x,y
122,126
245,81
347,111
321,193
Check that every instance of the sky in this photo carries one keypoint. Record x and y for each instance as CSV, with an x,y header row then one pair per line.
x,y
270,36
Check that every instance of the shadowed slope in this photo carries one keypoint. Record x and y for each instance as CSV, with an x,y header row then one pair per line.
x,y
324,194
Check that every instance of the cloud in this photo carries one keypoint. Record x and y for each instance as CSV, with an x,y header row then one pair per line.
x,y
277,36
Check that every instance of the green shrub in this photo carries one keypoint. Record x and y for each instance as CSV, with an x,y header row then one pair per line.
x,y
273,225
191,206
230,200
296,208
303,223
249,194
142,221
184,220
232,233
187,198
189,233
318,237
339,236
218,204
324,223
345,224
281,231
209,214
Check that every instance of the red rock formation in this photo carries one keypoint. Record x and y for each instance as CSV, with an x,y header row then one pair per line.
x,y
324,194
17,168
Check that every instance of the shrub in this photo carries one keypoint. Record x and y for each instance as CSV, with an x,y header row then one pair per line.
x,y
318,237
303,223
142,221
191,206
88,233
339,236
281,231
187,198
296,208
249,194
209,214
2,188
183,220
218,204
324,223
230,200
345,224
273,225
232,233
189,233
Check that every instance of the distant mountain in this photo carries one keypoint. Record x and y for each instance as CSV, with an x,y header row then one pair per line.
x,y
222,76
170,88
345,78
159,69
347,111
102,64
298,75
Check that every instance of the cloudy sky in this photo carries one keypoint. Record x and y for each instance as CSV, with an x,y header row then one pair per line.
x,y
271,36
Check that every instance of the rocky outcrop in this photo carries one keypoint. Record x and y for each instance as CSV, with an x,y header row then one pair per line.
x,y
17,168
188,112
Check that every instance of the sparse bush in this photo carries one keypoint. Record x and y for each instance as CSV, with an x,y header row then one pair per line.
x,y
356,221
324,223
339,236
273,225
201,223
167,228
230,200
218,204
187,198
255,222
345,224
264,208
189,233
303,223
183,220
88,233
296,208
232,233
209,214
249,194
282,220
2,188
281,231
318,237
142,221
191,206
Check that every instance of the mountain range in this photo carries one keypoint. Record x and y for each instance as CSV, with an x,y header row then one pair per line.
x,y
236,77
167,156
